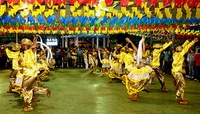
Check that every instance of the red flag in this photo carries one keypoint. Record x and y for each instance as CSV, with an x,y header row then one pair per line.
x,y
81,1
48,2
153,3
72,2
16,1
167,2
9,1
31,1
192,3
25,1
1,1
94,2
178,3
87,2
138,2
124,2
109,2
40,1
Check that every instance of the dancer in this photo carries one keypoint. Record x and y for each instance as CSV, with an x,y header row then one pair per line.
x,y
14,55
178,59
85,57
28,73
116,64
105,62
138,74
155,64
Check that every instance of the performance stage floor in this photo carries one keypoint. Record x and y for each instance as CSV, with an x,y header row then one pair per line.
x,y
75,91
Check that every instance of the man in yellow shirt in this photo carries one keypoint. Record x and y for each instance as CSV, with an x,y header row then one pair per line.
x,y
155,64
28,71
178,59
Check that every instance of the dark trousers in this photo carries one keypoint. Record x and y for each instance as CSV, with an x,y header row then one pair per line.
x,y
197,72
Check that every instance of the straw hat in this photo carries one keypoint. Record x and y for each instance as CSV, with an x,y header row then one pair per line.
x,y
106,56
179,48
157,46
26,41
16,47
130,50
118,45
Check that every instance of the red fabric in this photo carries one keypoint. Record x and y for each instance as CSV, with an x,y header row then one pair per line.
x,y
62,2
178,3
94,2
167,2
72,2
16,1
48,2
9,1
109,2
25,1
153,3
192,3
31,1
87,2
40,1
124,2
197,59
138,2
81,2
1,1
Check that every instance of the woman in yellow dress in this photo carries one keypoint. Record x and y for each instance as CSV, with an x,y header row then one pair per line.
x,y
116,64
138,74
105,62
93,61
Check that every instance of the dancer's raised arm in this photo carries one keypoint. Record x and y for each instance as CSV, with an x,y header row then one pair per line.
x,y
129,41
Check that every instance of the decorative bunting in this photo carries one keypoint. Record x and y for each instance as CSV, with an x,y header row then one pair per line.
x,y
153,3
109,2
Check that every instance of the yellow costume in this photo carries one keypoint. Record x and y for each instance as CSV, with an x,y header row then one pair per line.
x,y
28,73
156,54
43,68
178,59
93,62
116,64
136,80
14,55
155,64
105,66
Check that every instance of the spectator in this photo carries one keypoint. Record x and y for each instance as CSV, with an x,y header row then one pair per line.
x,y
190,61
167,57
197,65
79,57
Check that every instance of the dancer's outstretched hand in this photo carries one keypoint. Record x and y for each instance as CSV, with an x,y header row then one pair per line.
x,y
128,40
196,39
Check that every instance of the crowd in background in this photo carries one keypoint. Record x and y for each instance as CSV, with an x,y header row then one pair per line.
x,y
72,57
191,64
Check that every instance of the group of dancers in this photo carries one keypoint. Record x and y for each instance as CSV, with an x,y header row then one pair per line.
x,y
136,67
31,63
